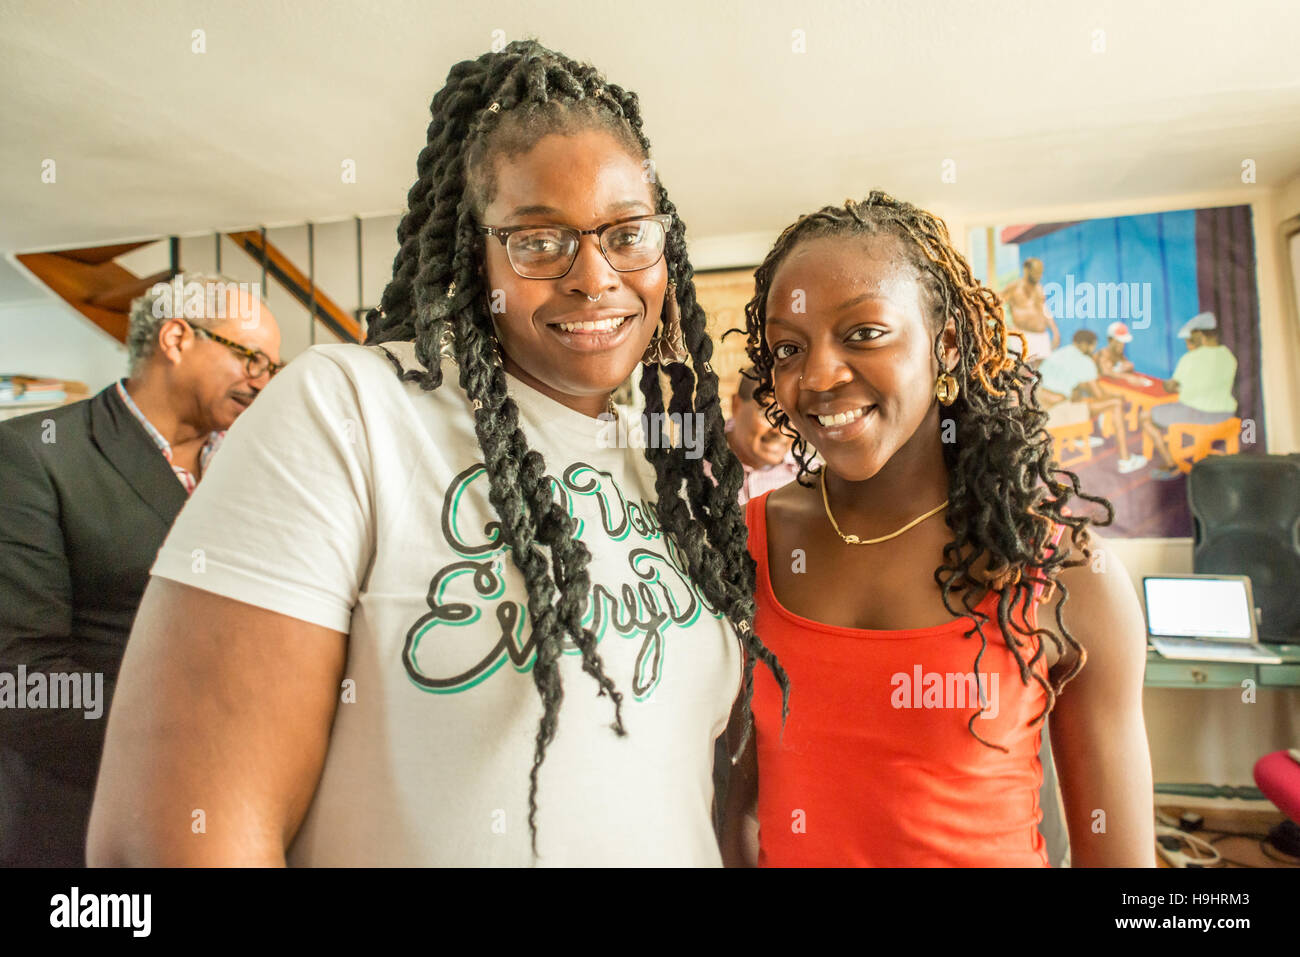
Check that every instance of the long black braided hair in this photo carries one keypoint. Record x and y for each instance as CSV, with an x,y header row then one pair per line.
x,y
501,104
1005,488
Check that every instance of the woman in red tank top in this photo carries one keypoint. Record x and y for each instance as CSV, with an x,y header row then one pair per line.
x,y
925,585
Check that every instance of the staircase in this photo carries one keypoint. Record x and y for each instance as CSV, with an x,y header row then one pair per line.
x,y
101,290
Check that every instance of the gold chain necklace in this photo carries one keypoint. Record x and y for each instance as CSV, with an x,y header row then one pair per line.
x,y
854,540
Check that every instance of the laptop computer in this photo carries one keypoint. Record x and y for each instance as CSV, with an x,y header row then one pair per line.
x,y
1203,618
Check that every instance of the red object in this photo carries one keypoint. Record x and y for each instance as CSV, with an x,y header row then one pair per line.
x,y
1010,234
1154,387
865,773
1278,776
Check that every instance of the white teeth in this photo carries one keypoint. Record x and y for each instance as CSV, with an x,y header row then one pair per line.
x,y
603,325
842,418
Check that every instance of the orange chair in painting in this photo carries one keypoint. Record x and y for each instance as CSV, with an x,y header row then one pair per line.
x,y
1073,436
1188,443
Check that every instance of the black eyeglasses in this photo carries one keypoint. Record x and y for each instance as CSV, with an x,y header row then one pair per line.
x,y
256,362
548,252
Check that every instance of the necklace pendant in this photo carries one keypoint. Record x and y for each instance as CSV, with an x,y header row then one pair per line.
x,y
853,539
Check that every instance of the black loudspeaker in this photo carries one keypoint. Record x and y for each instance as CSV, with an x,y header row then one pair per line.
x,y
1246,509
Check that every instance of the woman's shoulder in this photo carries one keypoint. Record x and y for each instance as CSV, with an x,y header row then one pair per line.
x,y
787,504
370,369
1097,578
391,358
781,514
335,360
1099,604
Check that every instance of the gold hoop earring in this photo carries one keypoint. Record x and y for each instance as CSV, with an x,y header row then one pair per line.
x,y
667,345
945,388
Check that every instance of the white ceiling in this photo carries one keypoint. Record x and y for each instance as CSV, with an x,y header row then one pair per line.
x,y
150,138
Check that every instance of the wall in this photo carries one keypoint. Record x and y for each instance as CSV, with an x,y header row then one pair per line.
x,y
1288,209
1288,199
45,336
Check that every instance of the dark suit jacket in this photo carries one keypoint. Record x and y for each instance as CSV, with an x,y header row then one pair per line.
x,y
86,499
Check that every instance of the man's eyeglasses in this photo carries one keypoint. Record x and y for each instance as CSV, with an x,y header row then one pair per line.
x,y
548,252
256,363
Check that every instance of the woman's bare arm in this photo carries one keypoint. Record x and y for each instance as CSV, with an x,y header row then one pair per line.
x,y
1099,737
221,708
740,821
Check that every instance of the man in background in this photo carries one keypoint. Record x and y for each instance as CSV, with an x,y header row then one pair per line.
x,y
1029,315
764,451
91,490
1070,394
1111,360
1203,380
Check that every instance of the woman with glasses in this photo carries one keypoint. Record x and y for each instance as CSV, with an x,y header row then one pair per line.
x,y
424,611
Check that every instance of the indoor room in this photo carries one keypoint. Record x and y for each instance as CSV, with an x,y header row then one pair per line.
x,y
845,434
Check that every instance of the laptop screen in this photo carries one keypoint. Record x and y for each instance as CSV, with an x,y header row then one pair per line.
x,y
1198,608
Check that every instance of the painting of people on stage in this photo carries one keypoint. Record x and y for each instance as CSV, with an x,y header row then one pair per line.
x,y
1145,333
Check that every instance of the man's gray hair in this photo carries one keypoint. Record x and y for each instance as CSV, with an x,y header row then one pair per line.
x,y
168,300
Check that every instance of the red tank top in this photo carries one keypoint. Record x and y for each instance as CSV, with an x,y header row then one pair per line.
x,y
876,766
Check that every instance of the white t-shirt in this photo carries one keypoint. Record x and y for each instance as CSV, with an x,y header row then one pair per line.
x,y
350,499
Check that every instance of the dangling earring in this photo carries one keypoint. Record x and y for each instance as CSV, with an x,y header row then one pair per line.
x,y
667,345
447,343
945,388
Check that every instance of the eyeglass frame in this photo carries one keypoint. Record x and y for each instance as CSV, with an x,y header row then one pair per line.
x,y
503,233
248,354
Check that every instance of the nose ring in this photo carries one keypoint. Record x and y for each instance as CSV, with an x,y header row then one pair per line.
x,y
597,299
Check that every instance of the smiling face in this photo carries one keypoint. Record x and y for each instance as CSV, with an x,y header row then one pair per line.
x,y
583,180
756,442
854,365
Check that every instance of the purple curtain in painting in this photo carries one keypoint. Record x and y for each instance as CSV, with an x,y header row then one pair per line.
x,y
1225,280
